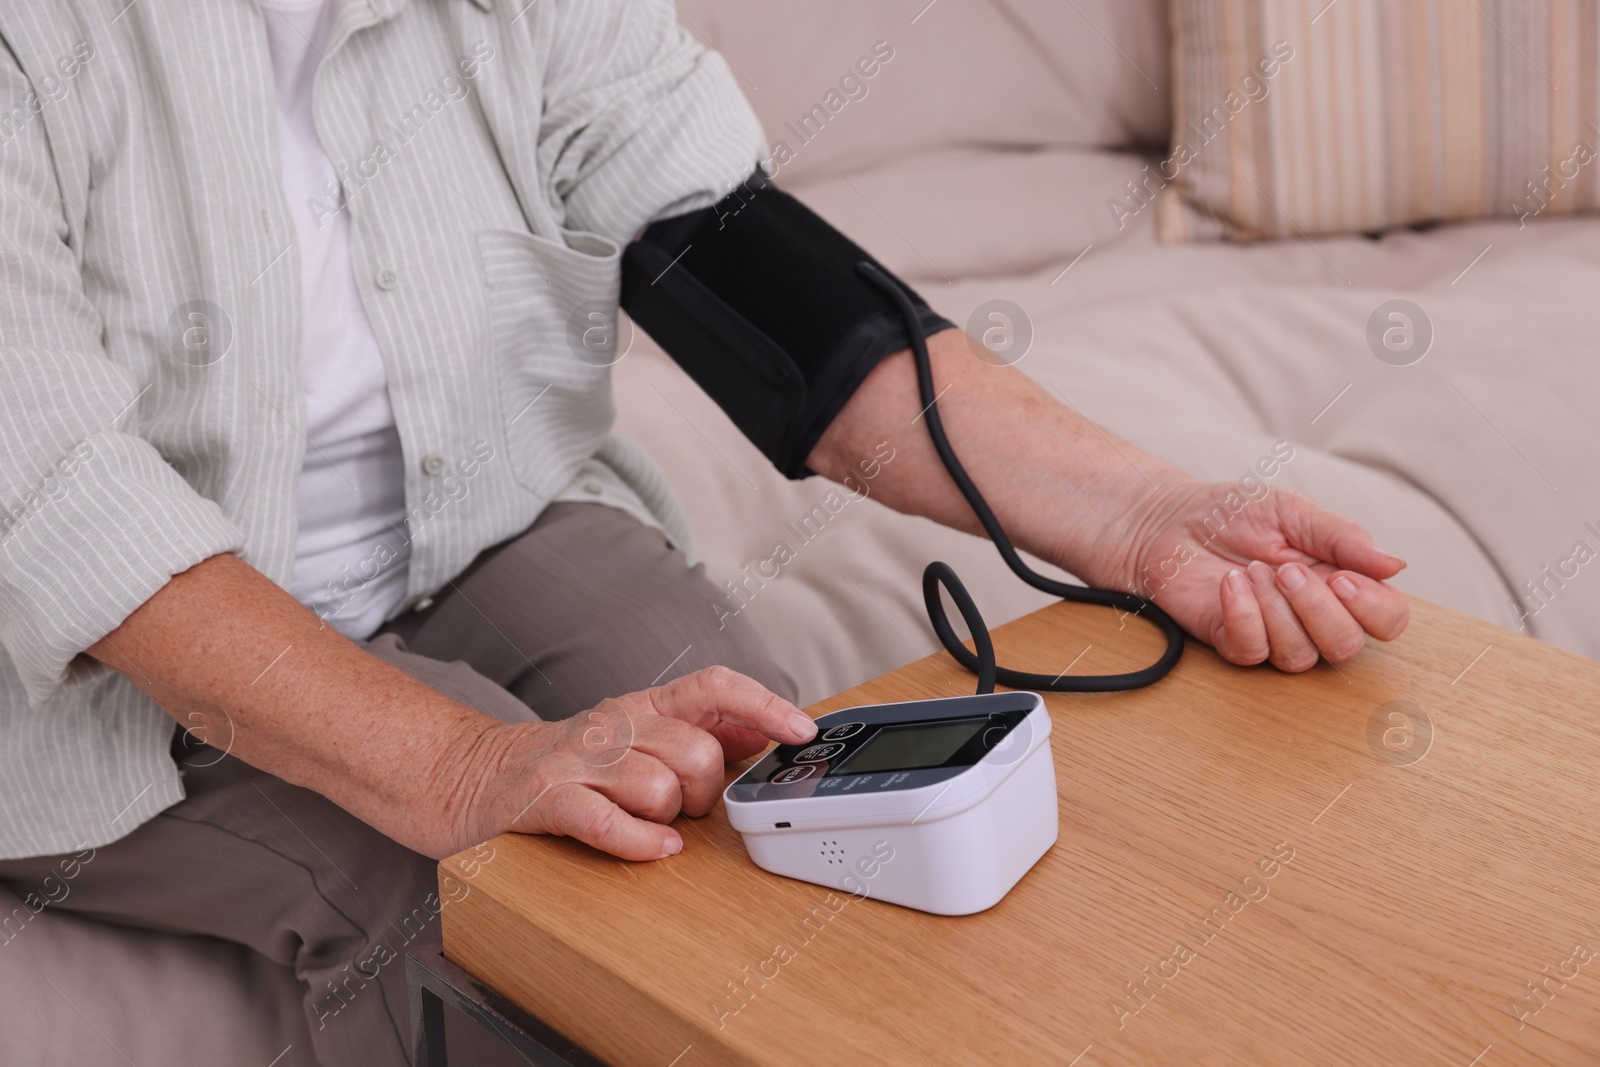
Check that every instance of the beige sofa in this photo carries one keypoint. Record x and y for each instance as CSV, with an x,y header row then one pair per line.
x,y
979,164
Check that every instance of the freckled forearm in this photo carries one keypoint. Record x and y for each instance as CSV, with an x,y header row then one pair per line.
x,y
236,660
1064,489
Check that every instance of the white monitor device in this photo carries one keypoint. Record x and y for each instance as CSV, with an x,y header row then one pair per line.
x,y
940,805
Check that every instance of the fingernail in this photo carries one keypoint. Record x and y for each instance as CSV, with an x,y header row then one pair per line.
x,y
673,846
1397,561
1259,572
801,724
1291,576
1235,582
1344,587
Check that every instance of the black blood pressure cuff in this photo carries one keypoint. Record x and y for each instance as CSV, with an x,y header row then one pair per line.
x,y
761,302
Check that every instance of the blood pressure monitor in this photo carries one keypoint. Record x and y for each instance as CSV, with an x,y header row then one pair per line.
x,y
939,805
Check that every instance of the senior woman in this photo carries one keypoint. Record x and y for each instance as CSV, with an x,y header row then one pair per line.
x,y
313,536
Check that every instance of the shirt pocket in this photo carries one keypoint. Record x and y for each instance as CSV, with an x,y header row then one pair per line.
x,y
550,303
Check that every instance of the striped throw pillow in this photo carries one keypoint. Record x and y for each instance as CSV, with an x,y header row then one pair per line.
x,y
1304,117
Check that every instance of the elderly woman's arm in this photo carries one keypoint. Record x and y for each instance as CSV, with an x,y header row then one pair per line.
x,y
1269,576
246,668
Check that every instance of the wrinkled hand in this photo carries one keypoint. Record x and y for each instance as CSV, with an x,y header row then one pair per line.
x,y
616,775
1277,577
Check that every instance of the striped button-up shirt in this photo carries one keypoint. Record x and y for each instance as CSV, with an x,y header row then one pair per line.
x,y
495,155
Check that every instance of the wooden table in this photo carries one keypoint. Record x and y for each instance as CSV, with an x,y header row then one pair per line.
x,y
1382,863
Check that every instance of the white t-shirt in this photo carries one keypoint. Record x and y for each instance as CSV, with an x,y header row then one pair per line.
x,y
352,554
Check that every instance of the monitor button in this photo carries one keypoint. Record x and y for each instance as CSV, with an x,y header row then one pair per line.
x,y
794,774
842,731
818,753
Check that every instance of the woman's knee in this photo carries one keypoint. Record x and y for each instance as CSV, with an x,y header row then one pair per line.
x,y
735,644
670,629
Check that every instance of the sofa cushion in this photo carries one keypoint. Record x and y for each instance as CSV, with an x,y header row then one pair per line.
x,y
999,73
1018,211
1371,114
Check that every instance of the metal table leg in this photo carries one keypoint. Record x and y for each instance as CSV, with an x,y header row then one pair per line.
x,y
436,984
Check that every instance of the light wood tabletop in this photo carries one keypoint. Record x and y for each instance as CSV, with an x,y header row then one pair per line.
x,y
1395,861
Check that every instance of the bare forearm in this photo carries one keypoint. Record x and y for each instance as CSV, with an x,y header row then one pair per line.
x,y
1060,485
236,660
1260,575
230,654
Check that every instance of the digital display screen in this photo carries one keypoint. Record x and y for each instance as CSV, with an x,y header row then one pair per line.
x,y
913,746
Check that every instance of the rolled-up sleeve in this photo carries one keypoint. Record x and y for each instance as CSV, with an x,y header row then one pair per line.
x,y
641,121
93,521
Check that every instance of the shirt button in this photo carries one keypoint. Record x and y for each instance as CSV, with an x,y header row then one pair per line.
x,y
387,279
424,604
593,488
432,465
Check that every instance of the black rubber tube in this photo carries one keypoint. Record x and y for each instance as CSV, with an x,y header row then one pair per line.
x,y
982,663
